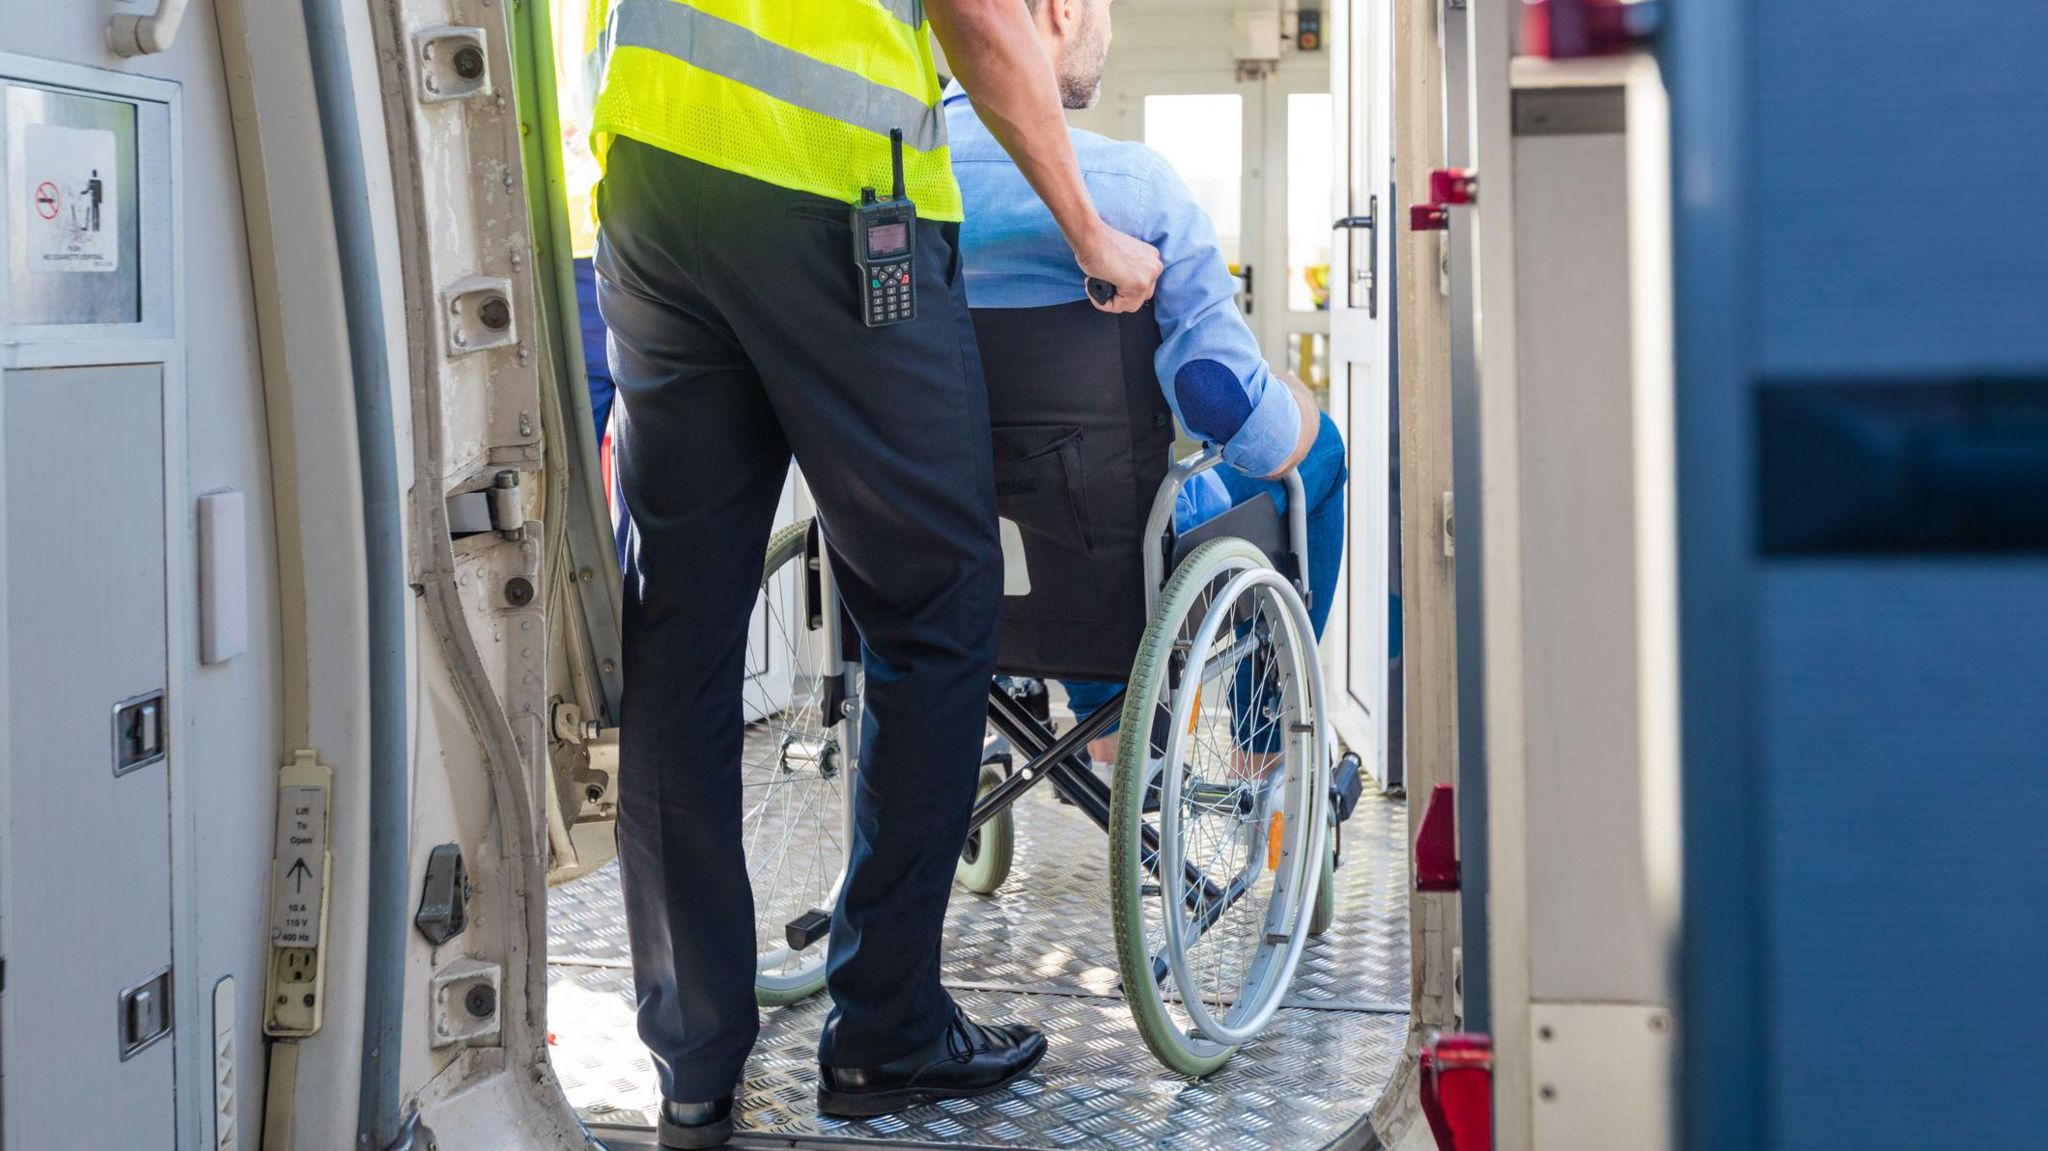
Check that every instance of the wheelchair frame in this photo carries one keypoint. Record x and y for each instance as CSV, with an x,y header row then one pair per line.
x,y
1060,758
1056,757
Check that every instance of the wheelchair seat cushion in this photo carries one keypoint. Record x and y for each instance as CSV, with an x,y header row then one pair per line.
x,y
1083,439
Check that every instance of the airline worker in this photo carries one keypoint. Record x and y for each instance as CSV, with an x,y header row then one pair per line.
x,y
738,138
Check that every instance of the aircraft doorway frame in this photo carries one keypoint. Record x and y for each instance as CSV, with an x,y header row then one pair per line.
x,y
1361,371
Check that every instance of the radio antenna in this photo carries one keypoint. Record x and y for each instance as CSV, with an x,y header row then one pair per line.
x,y
896,158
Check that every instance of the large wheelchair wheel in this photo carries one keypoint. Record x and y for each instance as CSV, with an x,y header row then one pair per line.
x,y
1212,893
796,777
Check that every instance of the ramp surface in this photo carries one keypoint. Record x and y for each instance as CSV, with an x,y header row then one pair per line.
x,y
1040,950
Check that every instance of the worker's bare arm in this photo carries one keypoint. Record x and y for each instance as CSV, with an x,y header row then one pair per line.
x,y
995,53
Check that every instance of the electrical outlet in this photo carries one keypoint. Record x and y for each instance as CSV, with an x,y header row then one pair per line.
x,y
295,1006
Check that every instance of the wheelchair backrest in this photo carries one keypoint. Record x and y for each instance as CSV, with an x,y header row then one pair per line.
x,y
1083,439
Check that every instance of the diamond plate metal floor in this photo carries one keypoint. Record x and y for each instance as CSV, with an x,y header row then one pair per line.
x,y
1040,950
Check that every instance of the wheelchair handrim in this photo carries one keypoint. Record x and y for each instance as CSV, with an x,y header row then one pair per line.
x,y
793,806
1272,967
1168,1031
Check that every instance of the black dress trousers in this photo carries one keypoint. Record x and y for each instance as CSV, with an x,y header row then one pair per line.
x,y
737,342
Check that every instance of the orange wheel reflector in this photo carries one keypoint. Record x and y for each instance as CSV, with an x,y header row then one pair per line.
x,y
1273,840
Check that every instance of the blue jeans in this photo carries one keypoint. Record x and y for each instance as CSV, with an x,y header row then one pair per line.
x,y
1323,476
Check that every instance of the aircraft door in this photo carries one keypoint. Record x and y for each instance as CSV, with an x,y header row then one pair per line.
x,y
85,690
88,831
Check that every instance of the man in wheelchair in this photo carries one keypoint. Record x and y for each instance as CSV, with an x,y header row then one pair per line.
x,y
1207,362
1179,601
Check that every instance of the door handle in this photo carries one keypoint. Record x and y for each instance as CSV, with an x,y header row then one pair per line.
x,y
1371,223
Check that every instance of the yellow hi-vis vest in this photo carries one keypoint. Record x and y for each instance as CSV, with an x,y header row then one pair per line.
x,y
797,93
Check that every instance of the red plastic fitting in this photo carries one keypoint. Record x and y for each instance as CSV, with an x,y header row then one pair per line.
x,y
1436,842
1454,186
1456,1086
1428,218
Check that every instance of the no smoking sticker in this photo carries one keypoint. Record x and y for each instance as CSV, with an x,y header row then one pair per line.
x,y
73,223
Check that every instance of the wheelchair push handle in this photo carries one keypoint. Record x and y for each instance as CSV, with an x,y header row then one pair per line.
x,y
1101,291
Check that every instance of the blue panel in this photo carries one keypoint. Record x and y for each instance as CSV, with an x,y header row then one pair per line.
x,y
1901,187
1905,779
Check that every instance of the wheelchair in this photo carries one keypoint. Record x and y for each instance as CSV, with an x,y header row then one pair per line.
x,y
1220,811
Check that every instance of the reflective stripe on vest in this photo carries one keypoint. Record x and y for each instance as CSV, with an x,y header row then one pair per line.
x,y
911,12
802,95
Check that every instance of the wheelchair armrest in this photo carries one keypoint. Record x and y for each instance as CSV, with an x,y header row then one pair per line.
x,y
1159,524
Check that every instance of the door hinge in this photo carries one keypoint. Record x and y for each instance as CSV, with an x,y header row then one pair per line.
x,y
492,509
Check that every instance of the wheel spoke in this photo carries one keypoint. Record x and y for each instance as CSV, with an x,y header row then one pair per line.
x,y
792,774
1236,815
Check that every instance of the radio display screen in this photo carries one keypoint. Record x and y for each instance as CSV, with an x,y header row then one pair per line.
x,y
888,240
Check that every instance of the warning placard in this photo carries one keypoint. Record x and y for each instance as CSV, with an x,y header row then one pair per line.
x,y
299,860
73,222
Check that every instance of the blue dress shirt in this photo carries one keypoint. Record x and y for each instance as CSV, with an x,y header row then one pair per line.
x,y
1209,364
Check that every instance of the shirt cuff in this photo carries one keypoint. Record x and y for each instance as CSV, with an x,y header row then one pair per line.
x,y
1269,434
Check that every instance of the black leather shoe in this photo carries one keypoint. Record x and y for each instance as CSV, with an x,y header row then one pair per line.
x,y
966,1060
695,1126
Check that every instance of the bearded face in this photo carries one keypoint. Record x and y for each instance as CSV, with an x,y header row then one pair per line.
x,y
1081,63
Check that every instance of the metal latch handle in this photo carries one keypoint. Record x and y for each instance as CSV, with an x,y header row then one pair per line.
x,y
1371,223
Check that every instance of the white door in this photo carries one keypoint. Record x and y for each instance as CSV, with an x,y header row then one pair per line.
x,y
87,758
1294,170
92,748
1361,375
1255,154
1209,126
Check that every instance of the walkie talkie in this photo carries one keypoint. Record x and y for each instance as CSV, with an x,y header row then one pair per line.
x,y
883,234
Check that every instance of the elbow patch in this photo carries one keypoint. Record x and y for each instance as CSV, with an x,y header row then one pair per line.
x,y
1212,400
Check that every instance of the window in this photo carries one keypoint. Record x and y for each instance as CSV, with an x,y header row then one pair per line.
x,y
1202,136
1308,201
